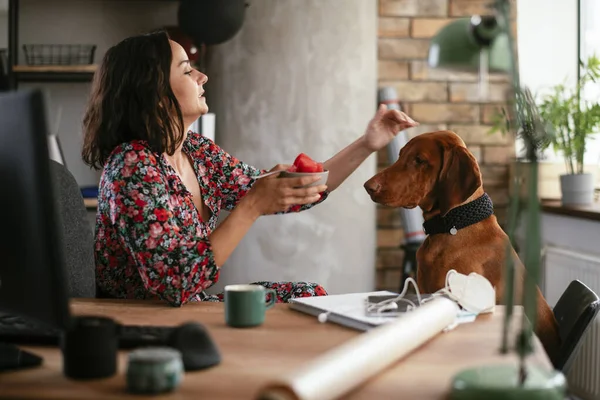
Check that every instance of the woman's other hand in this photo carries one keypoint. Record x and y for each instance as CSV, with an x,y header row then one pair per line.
x,y
384,127
272,194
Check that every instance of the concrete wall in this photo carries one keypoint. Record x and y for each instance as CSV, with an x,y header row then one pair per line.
x,y
301,77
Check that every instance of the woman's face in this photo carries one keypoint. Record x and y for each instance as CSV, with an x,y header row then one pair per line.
x,y
186,83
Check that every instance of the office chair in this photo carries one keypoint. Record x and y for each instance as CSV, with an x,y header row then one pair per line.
x,y
77,234
55,149
575,311
3,70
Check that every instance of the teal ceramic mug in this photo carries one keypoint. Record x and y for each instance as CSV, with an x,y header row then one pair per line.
x,y
245,305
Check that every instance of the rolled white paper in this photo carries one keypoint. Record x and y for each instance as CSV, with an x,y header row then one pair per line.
x,y
343,368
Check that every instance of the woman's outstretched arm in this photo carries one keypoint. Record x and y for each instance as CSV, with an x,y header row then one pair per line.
x,y
384,126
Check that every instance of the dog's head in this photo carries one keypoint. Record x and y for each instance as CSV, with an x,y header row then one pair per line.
x,y
434,171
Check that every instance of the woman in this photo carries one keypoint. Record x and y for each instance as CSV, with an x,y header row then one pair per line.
x,y
162,188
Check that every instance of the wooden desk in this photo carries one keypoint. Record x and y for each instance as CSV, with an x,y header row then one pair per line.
x,y
251,356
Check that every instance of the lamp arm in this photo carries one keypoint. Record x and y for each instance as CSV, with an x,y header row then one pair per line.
x,y
532,256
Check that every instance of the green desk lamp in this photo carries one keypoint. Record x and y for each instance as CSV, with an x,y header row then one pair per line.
x,y
484,43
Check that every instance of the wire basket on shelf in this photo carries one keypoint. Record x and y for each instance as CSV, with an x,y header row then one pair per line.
x,y
59,54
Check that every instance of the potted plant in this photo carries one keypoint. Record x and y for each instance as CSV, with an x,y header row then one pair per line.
x,y
573,120
564,120
524,122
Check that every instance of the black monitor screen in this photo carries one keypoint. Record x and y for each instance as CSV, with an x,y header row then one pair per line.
x,y
32,276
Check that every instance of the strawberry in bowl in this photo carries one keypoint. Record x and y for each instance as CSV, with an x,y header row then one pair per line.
x,y
306,166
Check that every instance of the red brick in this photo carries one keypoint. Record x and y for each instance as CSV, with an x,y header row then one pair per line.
x,y
402,49
380,279
498,154
420,71
389,237
392,70
488,112
494,175
412,91
444,113
392,279
498,195
390,258
424,128
393,27
413,8
427,27
466,8
388,218
469,93
479,134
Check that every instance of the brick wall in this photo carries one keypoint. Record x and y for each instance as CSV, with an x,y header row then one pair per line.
x,y
438,100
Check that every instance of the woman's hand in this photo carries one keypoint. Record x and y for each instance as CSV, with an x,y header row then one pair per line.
x,y
384,126
271,194
280,167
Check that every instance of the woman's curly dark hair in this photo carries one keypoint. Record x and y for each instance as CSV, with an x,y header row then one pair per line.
x,y
131,98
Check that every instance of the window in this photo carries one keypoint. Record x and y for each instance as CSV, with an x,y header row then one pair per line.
x,y
548,56
590,39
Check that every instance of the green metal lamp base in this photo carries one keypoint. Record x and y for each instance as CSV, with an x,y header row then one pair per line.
x,y
495,382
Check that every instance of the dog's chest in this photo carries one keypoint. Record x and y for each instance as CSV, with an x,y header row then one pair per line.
x,y
433,261
434,252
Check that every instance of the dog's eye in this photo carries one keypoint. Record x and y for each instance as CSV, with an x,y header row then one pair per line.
x,y
420,161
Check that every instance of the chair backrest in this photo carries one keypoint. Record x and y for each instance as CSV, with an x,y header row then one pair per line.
x,y
575,311
3,69
78,236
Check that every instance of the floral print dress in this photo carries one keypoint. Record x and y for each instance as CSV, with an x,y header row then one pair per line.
x,y
150,240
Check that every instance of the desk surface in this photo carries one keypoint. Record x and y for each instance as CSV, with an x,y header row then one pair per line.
x,y
252,356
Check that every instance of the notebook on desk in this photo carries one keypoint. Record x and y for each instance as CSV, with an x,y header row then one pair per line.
x,y
344,309
350,310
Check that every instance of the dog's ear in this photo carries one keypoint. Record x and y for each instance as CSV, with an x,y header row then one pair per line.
x,y
459,178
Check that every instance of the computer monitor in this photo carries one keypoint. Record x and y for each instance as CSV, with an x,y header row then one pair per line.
x,y
32,276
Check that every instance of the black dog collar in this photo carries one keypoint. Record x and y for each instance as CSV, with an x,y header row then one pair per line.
x,y
460,217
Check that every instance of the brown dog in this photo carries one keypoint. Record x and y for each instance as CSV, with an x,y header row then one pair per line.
x,y
436,172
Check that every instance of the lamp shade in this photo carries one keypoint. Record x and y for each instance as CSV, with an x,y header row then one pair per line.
x,y
458,46
211,22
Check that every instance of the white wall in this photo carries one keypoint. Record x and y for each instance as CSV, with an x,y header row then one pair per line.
x,y
301,77
102,22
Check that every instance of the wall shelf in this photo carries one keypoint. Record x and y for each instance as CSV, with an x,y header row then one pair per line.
x,y
38,73
54,73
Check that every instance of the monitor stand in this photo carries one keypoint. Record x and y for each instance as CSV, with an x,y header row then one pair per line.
x,y
13,358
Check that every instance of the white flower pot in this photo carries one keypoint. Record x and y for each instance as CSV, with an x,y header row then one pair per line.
x,y
577,189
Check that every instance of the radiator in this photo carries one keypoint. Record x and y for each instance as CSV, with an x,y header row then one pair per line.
x,y
561,267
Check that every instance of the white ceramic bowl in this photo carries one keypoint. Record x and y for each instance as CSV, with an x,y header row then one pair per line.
x,y
322,181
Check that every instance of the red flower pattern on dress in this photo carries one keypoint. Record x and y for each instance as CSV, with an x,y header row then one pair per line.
x,y
150,240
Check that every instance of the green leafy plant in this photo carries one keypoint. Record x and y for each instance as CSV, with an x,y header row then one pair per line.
x,y
562,119
522,117
573,119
